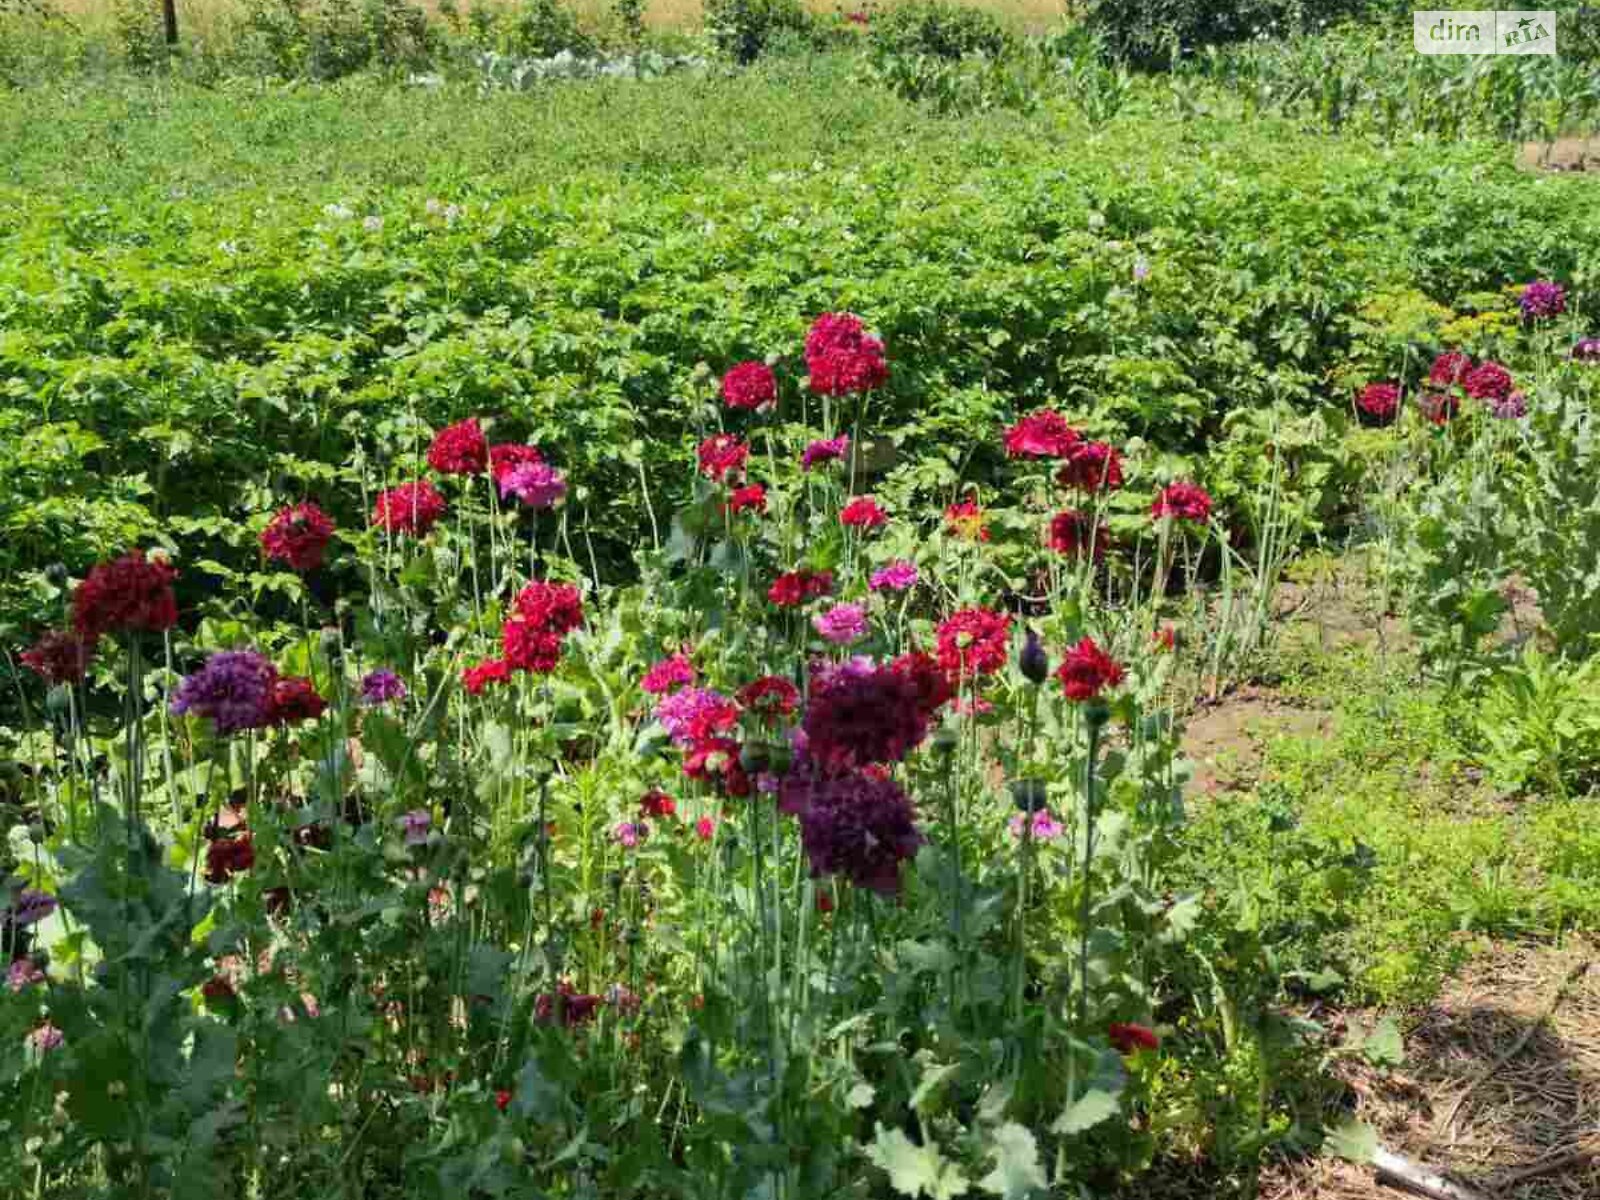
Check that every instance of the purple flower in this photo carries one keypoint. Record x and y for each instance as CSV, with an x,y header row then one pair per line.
x,y
45,1038
234,689
1045,827
841,624
382,686
1542,299
825,450
631,833
857,826
1141,269
693,714
538,485
1513,407
1586,350
860,714
898,576
32,906
23,973
416,824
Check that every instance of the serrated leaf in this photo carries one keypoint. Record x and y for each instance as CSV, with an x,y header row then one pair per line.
x,y
1087,1111
915,1170
1355,1141
1384,1047
1016,1171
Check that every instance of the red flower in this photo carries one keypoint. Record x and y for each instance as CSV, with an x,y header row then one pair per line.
x,y
59,657
657,804
507,458
217,989
1092,467
1449,369
553,607
227,857
1165,638
934,689
1380,400
1073,532
703,829
750,385
715,760
753,497
1490,381
796,587
824,903
412,508
298,536
1438,407
1044,434
529,648
459,449
721,456
476,678
295,699
841,358
863,513
132,594
1184,502
1086,671
965,520
1128,1037
973,642
502,1099
573,1007
770,697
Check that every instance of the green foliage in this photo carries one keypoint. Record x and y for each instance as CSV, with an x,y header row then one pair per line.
x,y
939,29
742,30
1161,32
330,39
1538,722
534,29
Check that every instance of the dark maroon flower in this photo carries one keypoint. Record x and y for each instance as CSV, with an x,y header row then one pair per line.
x,y
1074,532
217,989
1449,369
59,657
569,1006
857,826
859,714
295,699
932,682
229,856
131,594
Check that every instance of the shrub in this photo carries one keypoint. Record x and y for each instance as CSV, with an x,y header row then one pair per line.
x,y
539,29
940,30
1157,32
744,29
1539,721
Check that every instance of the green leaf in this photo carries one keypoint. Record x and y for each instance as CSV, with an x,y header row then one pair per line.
x,y
1016,1171
1384,1047
1087,1111
861,1095
915,1170
1355,1141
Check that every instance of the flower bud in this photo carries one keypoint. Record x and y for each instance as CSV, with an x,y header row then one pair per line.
x,y
754,757
1097,712
945,740
331,641
56,573
1033,661
1030,795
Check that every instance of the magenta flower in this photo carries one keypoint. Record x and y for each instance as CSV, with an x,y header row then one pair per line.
x,y
234,689
898,576
22,974
416,824
381,687
668,674
630,833
1045,827
825,450
45,1039
1541,299
695,714
537,485
841,624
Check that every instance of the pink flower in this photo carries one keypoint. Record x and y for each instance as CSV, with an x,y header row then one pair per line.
x,y
668,674
704,828
842,623
898,576
416,824
538,485
630,833
1045,827
825,450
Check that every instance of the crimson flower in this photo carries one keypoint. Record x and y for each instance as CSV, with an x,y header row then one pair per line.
x,y
1092,467
657,804
1379,400
131,594
505,458
1086,671
1044,434
543,613
715,761
1128,1037
480,676
973,642
770,697
721,456
931,681
1073,531
459,449
294,699
1184,502
750,385
863,513
1490,381
841,358
1449,368
412,508
794,588
298,536
753,498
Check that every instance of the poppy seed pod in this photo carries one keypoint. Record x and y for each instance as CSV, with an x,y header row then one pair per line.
x,y
1033,662
1029,794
